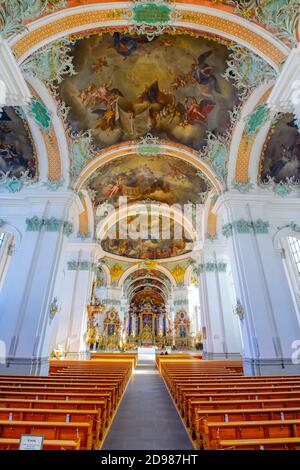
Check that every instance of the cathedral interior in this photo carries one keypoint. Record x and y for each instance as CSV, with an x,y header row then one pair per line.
x,y
149,188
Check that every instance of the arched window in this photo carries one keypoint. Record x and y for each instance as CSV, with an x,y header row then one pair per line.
x,y
294,245
290,245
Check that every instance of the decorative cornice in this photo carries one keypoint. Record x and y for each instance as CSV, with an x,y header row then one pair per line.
x,y
283,188
54,185
242,187
35,224
211,237
211,266
83,236
181,302
67,228
243,226
111,302
13,184
80,265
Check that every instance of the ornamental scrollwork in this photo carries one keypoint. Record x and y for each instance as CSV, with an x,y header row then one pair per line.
x,y
243,226
151,18
14,12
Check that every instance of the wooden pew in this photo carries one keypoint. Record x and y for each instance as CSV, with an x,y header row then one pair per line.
x,y
93,417
63,396
215,432
218,403
13,444
249,414
50,430
66,406
289,443
100,356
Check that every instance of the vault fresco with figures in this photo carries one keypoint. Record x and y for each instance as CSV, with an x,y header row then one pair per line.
x,y
17,153
156,178
281,154
126,86
147,238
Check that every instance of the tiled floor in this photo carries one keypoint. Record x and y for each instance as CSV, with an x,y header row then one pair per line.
x,y
147,418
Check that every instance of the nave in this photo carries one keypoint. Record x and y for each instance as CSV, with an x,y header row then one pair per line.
x,y
122,403
149,200
147,418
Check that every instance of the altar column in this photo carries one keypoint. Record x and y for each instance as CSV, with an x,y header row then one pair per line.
x,y
269,320
75,293
39,223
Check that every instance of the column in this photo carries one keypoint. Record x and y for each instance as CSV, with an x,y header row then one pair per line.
x,y
27,302
221,337
75,293
269,321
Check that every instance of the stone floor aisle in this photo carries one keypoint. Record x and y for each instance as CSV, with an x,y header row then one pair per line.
x,y
147,418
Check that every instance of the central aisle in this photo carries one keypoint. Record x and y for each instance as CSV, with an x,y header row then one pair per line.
x,y
147,418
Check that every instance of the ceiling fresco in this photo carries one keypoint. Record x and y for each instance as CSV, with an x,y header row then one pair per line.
x,y
147,282
148,273
17,153
126,86
157,238
281,154
156,178
147,295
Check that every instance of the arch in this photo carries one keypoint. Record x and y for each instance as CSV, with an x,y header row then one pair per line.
x,y
284,232
106,271
137,267
242,149
132,148
15,232
136,289
188,274
154,278
216,20
60,146
137,208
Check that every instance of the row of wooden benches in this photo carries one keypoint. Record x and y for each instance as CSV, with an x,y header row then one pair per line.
x,y
72,407
225,410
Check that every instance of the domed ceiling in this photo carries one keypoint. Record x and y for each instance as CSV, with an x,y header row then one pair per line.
x,y
139,177
126,86
154,238
17,152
